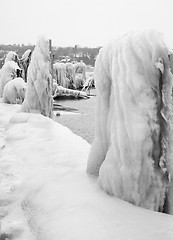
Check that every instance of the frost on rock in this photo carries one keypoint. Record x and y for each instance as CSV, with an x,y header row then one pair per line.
x,y
38,96
132,149
7,73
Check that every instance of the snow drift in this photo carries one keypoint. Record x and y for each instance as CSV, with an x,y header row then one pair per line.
x,y
38,97
132,150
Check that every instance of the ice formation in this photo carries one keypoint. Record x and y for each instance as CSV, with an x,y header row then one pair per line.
x,y
70,71
38,97
78,82
12,56
59,71
132,149
14,91
7,73
26,55
88,84
81,67
24,63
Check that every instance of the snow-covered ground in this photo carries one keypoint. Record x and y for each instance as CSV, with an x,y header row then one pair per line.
x,y
45,192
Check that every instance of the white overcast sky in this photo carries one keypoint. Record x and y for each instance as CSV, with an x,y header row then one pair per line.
x,y
86,23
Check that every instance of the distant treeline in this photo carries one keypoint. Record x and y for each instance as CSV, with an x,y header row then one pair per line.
x,y
86,54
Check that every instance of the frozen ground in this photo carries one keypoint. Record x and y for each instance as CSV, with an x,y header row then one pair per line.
x,y
45,192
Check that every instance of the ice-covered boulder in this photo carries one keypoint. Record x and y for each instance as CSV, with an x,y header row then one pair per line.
x,y
7,73
132,150
12,56
38,97
14,91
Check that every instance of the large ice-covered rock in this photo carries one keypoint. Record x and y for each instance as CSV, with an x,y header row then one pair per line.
x,y
7,73
14,91
132,150
12,56
38,97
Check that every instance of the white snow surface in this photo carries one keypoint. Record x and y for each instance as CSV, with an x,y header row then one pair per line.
x,y
45,192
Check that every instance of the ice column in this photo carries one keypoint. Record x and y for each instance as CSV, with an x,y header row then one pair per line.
x,y
133,145
38,96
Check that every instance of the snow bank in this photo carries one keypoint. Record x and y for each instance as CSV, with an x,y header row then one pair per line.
x,y
38,97
132,150
46,194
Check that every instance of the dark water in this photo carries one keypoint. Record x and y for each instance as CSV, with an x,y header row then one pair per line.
x,y
81,124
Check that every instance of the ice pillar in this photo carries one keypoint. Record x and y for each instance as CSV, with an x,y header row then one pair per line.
x,y
132,149
38,96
